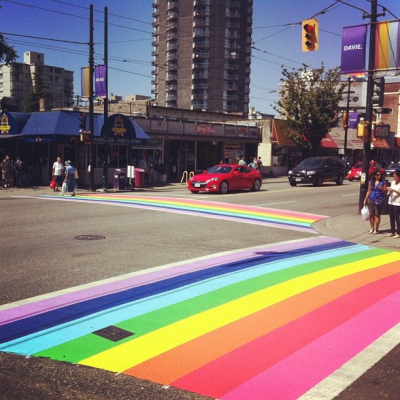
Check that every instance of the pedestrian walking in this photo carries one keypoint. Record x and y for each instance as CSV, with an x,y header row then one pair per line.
x,y
18,166
394,205
374,198
57,173
70,180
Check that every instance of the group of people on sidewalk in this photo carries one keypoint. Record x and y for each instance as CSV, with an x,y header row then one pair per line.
x,y
65,176
7,170
377,191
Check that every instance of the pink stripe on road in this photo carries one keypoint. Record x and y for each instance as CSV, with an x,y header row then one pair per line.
x,y
79,294
298,373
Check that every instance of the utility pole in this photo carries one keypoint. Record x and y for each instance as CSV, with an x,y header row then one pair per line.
x,y
369,107
91,119
346,127
105,125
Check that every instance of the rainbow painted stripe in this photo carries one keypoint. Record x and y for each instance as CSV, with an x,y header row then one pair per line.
x,y
268,322
239,213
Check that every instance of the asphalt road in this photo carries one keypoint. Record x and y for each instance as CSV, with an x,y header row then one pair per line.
x,y
42,253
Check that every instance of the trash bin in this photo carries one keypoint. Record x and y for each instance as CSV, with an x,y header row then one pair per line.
x,y
139,177
119,180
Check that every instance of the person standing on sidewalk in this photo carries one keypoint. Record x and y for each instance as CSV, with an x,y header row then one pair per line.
x,y
18,172
58,169
70,180
6,172
394,205
374,198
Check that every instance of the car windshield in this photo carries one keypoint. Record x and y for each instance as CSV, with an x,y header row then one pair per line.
x,y
393,166
311,163
219,169
358,165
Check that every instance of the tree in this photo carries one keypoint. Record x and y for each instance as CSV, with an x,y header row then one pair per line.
x,y
31,101
309,102
7,53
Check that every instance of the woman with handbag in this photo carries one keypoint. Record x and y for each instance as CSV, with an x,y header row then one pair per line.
x,y
394,205
374,198
70,173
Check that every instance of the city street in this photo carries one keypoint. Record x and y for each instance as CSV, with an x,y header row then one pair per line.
x,y
77,272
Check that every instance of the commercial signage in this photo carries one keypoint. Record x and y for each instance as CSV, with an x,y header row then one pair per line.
x,y
353,49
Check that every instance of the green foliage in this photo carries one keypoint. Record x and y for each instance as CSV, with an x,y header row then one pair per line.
x,y
32,99
7,53
309,102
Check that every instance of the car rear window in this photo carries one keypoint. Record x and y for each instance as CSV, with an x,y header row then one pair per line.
x,y
311,163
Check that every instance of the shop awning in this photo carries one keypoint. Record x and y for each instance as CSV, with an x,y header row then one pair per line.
x,y
280,134
47,125
353,142
12,123
328,142
121,130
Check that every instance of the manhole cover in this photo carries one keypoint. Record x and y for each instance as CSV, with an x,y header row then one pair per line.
x,y
113,333
90,237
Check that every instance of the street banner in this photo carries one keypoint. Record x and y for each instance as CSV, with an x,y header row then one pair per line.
x,y
387,45
353,120
100,78
353,49
85,82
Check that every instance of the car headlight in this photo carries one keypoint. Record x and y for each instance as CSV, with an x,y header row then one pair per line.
x,y
290,172
312,172
213,179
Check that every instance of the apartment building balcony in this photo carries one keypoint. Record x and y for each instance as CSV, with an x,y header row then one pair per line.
x,y
171,87
231,67
229,97
233,3
154,91
230,87
154,72
155,43
200,75
202,3
196,86
172,35
154,63
153,82
201,54
230,77
171,77
201,44
200,22
232,25
249,30
171,104
155,13
171,5
156,3
154,53
234,14
155,23
230,107
197,96
205,12
172,15
200,65
201,33
171,97
172,45
232,35
247,70
247,80
171,56
172,25
155,33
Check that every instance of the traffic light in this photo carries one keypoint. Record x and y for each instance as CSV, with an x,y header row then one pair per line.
x,y
82,124
309,37
378,92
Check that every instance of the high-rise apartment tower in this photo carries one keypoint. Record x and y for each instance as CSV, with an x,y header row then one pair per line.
x,y
202,51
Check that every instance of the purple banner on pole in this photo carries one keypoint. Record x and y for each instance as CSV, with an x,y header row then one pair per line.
x,y
353,120
353,49
100,76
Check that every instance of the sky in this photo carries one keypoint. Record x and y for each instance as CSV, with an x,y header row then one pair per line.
x,y
60,30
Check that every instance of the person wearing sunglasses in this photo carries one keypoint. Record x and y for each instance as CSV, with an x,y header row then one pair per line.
x,y
374,198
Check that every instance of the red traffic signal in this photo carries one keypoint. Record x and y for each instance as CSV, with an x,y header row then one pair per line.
x,y
82,125
309,35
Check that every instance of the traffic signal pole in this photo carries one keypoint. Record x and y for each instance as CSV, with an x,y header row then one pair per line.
x,y
91,119
369,106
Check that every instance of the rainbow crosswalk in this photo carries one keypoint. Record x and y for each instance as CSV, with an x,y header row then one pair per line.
x,y
263,323
240,213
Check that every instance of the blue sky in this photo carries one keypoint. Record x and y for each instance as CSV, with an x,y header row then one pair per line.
x,y
276,38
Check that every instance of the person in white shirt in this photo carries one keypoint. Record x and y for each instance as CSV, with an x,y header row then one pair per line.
x,y
57,172
394,205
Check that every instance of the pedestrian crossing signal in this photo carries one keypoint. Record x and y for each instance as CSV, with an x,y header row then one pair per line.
x,y
309,39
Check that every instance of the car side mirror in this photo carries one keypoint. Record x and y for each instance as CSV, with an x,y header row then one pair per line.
x,y
235,172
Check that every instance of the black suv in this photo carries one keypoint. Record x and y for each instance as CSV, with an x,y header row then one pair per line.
x,y
317,170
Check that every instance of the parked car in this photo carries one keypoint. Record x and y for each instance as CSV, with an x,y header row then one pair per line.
x,y
224,177
389,170
355,172
317,170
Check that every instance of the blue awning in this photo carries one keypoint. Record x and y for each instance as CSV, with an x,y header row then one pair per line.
x,y
12,123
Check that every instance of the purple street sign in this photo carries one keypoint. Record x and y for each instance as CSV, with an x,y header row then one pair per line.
x,y
353,49
100,75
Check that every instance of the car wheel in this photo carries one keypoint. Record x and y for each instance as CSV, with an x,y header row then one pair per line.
x,y
340,180
350,179
256,185
223,187
193,191
293,183
319,180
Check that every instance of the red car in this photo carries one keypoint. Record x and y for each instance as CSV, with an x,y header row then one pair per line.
x,y
224,177
355,172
